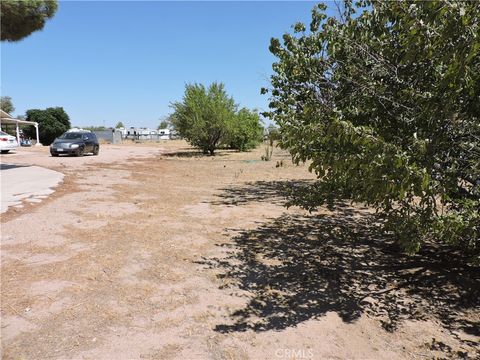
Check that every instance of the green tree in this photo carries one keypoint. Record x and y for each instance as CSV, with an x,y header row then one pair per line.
x,y
119,125
164,124
385,105
204,116
52,122
245,130
6,104
20,18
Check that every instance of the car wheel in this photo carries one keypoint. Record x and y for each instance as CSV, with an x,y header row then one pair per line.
x,y
5,151
96,150
80,151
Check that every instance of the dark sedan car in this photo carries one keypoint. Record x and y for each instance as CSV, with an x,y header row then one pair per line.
x,y
75,143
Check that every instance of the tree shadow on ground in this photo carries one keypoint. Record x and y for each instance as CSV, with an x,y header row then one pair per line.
x,y
276,192
297,268
191,153
184,154
4,166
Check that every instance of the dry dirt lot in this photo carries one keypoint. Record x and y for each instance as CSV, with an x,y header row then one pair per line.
x,y
157,252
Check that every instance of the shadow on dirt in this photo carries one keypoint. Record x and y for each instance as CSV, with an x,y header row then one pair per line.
x,y
296,268
184,154
4,166
276,192
189,153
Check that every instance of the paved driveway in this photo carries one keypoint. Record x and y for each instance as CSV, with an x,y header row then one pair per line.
x,y
31,174
23,182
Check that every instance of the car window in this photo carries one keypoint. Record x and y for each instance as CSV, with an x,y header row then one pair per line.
x,y
71,136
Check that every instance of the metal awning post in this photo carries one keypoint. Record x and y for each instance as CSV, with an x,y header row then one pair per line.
x,y
17,131
38,139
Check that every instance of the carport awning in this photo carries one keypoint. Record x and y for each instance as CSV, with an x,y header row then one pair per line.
x,y
6,118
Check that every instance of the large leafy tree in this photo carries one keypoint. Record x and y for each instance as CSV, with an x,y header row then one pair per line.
x,y
204,115
19,18
52,122
385,102
6,104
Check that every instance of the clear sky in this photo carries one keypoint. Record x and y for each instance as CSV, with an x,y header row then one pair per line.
x,y
111,61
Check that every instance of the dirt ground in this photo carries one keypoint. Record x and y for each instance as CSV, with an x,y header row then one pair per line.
x,y
157,252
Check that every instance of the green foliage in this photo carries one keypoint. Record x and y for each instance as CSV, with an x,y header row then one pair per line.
x,y
119,125
245,130
208,118
20,18
6,104
202,118
386,107
52,123
164,124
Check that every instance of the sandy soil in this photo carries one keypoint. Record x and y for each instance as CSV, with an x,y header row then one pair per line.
x,y
157,252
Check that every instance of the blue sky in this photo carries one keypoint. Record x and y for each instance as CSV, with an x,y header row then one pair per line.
x,y
113,61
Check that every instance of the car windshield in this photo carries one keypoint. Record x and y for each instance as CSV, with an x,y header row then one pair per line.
x,y
71,136
3,133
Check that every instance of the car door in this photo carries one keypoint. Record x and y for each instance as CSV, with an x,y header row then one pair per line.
x,y
88,140
94,140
